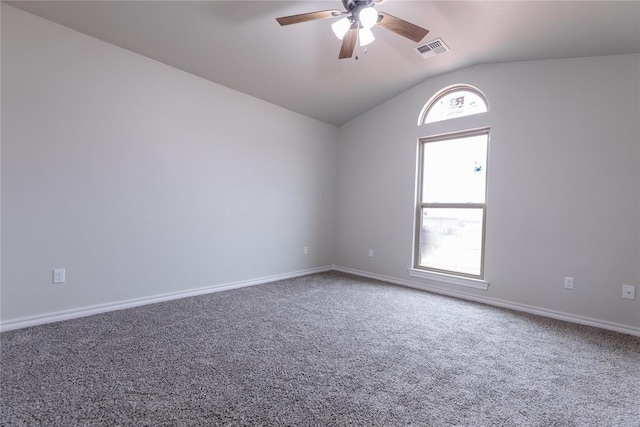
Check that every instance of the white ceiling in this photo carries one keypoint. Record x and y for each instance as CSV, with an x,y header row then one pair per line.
x,y
240,45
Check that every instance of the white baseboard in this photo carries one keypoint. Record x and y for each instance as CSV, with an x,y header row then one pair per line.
x,y
58,316
103,308
568,317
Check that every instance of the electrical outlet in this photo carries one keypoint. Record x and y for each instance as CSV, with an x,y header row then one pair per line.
x,y
370,253
568,282
305,250
628,292
58,275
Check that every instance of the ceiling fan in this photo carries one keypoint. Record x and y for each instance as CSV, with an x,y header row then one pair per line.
x,y
356,23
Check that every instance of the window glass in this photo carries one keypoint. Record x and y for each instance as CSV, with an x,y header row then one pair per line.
x,y
451,239
458,101
454,170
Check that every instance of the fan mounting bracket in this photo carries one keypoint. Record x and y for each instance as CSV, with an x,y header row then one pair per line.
x,y
350,5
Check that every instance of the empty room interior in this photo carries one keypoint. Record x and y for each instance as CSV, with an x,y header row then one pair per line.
x,y
203,168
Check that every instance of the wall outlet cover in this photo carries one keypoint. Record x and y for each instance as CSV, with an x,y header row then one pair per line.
x,y
628,292
58,275
568,282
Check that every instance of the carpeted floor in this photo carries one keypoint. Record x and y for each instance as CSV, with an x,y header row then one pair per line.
x,y
327,349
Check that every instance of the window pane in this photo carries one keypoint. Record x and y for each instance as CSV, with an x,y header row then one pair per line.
x,y
451,239
456,104
454,170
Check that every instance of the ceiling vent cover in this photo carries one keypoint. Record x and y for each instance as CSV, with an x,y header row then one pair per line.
x,y
432,48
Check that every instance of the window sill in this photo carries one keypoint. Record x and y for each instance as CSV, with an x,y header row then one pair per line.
x,y
449,278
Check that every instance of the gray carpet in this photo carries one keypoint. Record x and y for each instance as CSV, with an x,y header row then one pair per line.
x,y
327,349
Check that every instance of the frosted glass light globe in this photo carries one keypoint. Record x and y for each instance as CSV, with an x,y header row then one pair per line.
x,y
368,17
341,27
366,36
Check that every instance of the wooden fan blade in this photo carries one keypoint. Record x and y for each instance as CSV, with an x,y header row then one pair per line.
x,y
311,16
402,27
349,42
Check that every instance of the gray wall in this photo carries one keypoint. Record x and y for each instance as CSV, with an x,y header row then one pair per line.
x,y
140,179
563,183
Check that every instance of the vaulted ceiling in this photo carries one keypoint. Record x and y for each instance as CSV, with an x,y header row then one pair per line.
x,y
240,45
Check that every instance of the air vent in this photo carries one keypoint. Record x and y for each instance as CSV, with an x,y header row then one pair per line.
x,y
432,48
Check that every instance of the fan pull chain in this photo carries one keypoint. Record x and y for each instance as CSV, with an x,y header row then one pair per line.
x,y
365,52
357,45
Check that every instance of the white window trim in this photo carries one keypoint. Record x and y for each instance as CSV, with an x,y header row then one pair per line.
x,y
435,276
438,275
477,282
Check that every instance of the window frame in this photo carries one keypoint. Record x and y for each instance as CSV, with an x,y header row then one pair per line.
x,y
456,277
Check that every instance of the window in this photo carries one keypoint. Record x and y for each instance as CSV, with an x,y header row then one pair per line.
x,y
452,102
451,193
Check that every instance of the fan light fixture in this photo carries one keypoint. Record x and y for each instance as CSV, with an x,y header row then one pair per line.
x,y
341,27
367,17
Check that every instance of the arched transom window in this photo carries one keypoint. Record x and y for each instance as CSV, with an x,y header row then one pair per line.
x,y
452,102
